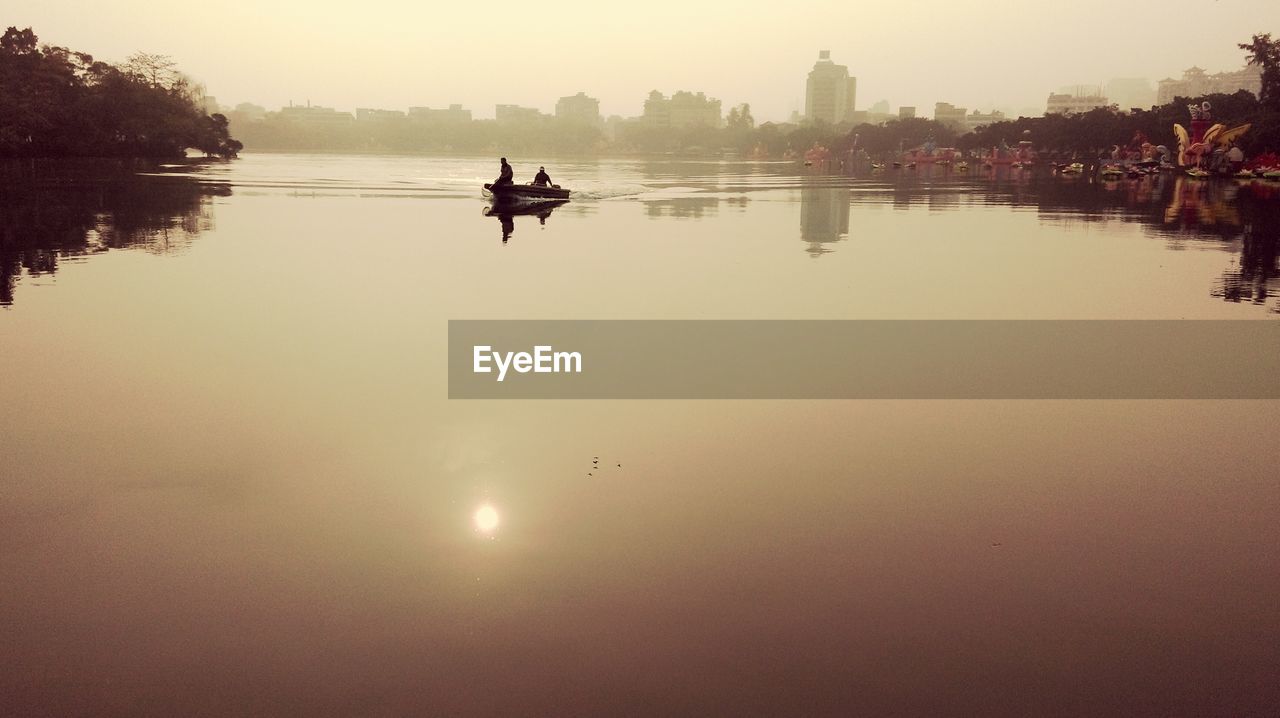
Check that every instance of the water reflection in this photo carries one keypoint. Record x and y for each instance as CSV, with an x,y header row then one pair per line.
x,y
692,207
51,213
1241,217
507,213
824,217
1250,277
486,519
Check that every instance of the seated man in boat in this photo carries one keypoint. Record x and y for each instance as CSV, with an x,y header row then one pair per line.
x,y
505,175
542,179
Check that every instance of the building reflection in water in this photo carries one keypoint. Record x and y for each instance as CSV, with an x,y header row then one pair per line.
x,y
1240,216
824,217
50,214
692,207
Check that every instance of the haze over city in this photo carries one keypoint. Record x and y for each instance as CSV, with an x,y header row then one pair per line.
x,y
396,55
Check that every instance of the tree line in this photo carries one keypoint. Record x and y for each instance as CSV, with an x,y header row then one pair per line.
x,y
55,102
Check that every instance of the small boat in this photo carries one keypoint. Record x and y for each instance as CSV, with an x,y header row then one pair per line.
x,y
526,192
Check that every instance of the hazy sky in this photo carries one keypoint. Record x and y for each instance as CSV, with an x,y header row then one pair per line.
x,y
396,54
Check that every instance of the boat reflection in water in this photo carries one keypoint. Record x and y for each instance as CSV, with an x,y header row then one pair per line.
x,y
507,211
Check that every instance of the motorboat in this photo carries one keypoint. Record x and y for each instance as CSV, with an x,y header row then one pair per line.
x,y
526,192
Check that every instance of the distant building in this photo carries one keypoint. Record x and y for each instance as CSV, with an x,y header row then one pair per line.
x,y
977,119
516,113
1075,100
1196,82
1129,93
830,92
683,109
951,116
306,114
249,111
364,114
454,113
906,112
579,108
613,126
211,105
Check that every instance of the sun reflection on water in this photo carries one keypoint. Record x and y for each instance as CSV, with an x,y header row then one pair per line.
x,y
486,519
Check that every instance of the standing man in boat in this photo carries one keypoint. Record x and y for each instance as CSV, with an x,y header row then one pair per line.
x,y
542,179
505,175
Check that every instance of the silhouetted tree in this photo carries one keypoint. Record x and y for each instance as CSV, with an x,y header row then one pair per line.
x,y
55,102
1265,53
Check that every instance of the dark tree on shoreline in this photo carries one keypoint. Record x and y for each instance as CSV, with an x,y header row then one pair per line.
x,y
58,103
1265,53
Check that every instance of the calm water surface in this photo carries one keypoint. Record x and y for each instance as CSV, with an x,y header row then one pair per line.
x,y
232,483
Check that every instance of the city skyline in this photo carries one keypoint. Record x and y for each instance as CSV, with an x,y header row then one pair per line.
x,y
390,55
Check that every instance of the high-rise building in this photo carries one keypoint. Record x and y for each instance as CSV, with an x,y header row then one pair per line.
x,y
453,113
830,92
978,119
579,108
250,111
683,109
1196,82
1130,92
906,112
951,116
365,114
1078,100
516,113
317,115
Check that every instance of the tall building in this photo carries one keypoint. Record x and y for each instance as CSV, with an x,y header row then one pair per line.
x,y
830,92
317,115
516,113
250,111
1196,82
579,108
978,119
683,109
1130,92
364,114
454,113
906,112
1075,100
951,116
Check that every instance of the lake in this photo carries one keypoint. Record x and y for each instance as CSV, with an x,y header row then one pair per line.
x,y
233,483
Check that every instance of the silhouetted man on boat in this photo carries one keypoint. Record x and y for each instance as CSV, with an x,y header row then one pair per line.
x,y
542,179
505,175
